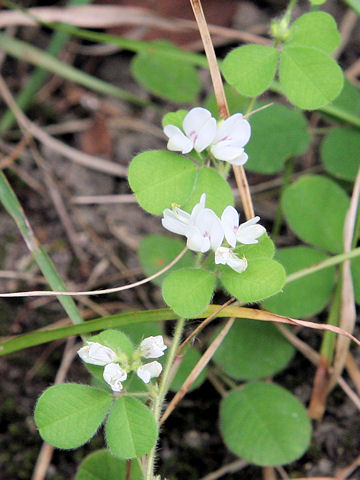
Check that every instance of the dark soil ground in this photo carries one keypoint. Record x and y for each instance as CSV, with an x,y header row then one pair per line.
x,y
106,239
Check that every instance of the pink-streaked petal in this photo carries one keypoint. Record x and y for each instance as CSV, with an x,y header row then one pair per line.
x,y
226,151
194,120
236,128
196,241
205,135
178,142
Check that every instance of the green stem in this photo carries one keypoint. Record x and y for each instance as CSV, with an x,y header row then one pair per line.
x,y
164,386
329,262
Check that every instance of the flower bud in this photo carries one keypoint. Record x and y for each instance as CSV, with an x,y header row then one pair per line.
x,y
114,375
153,347
148,371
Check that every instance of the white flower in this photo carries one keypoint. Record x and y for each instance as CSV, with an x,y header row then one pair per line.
x,y
153,347
231,137
97,354
200,129
113,375
248,232
148,371
226,256
202,228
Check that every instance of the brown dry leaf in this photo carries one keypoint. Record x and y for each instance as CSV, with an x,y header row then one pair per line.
x,y
219,16
97,140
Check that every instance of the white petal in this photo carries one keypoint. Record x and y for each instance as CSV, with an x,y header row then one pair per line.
x,y
226,151
222,255
196,240
236,128
216,234
114,375
153,347
249,232
205,135
148,371
178,142
241,160
197,209
194,120
97,354
230,224
175,222
237,264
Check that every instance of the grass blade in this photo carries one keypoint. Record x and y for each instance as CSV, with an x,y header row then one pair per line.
x,y
13,207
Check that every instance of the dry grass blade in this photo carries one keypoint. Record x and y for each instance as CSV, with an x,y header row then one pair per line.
x,y
347,312
239,171
199,367
229,468
202,325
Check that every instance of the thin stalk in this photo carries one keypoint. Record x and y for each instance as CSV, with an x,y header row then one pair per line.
x,y
163,388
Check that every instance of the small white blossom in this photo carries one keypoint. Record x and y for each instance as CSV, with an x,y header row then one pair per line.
x,y
97,354
231,137
113,375
248,232
153,347
202,227
226,256
200,130
149,370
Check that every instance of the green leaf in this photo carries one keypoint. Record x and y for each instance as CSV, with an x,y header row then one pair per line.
x,y
251,68
265,248
130,430
315,29
317,2
346,106
253,350
218,191
236,102
62,407
309,77
265,424
278,133
160,178
157,251
315,209
101,465
174,118
166,77
308,295
115,340
263,278
188,292
340,152
191,358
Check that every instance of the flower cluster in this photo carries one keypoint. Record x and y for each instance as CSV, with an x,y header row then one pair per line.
x,y
204,230
225,139
116,370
